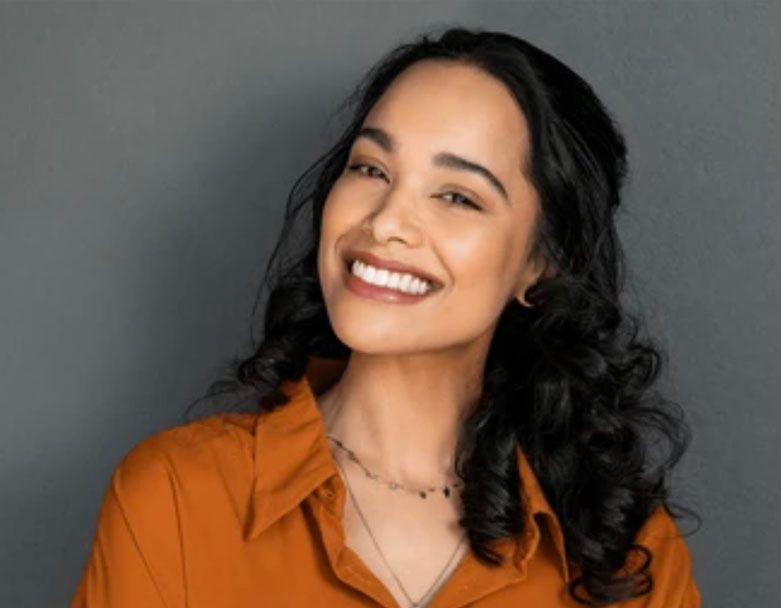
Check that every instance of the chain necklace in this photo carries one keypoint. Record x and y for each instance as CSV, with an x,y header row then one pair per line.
x,y
421,492
413,604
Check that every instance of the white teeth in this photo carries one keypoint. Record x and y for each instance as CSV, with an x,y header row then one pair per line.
x,y
393,280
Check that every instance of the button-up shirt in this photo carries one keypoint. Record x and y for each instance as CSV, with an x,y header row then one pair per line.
x,y
239,510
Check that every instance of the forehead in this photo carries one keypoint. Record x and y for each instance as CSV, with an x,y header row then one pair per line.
x,y
443,105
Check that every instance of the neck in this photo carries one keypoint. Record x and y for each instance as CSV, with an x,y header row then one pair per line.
x,y
402,415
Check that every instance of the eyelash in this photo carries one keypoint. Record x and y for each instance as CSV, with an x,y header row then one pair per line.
x,y
469,203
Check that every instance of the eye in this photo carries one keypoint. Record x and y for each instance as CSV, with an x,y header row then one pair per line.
x,y
464,201
359,168
460,199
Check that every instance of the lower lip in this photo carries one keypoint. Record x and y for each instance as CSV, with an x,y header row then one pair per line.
x,y
375,292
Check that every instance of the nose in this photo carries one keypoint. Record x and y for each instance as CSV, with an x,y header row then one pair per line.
x,y
395,217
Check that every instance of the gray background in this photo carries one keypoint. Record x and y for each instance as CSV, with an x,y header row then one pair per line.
x,y
146,151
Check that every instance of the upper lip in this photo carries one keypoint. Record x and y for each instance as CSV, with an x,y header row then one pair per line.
x,y
378,262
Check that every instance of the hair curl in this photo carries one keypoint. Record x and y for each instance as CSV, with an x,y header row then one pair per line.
x,y
569,378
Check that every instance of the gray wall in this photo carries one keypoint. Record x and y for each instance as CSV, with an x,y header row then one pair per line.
x,y
145,154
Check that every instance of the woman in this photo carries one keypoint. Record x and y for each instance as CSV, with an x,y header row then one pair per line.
x,y
454,408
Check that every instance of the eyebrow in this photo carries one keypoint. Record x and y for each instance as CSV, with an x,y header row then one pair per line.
x,y
442,159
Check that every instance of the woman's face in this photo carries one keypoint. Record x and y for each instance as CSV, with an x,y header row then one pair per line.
x,y
470,230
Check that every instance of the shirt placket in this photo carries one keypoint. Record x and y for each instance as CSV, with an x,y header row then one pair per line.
x,y
467,584
349,568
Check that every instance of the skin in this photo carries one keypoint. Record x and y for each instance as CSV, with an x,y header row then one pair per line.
x,y
416,370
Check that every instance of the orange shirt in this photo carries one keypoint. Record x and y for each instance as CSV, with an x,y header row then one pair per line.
x,y
243,510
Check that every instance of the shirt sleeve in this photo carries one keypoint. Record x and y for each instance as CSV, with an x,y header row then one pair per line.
x,y
671,567
136,557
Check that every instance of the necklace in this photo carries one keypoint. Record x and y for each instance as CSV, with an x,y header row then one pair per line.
x,y
413,604
422,492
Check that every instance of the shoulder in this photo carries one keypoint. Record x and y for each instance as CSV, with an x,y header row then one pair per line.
x,y
161,486
671,562
189,448
660,532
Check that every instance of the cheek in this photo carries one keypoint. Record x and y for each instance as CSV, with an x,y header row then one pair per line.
x,y
479,260
338,219
339,211
328,235
334,219
483,269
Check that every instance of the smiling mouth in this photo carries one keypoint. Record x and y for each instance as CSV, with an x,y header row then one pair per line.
x,y
433,285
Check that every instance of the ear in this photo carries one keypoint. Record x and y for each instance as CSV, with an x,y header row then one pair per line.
x,y
537,268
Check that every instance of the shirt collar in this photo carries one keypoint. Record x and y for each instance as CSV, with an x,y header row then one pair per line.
x,y
292,458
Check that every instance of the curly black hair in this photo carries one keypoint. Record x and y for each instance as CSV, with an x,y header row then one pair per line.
x,y
568,378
